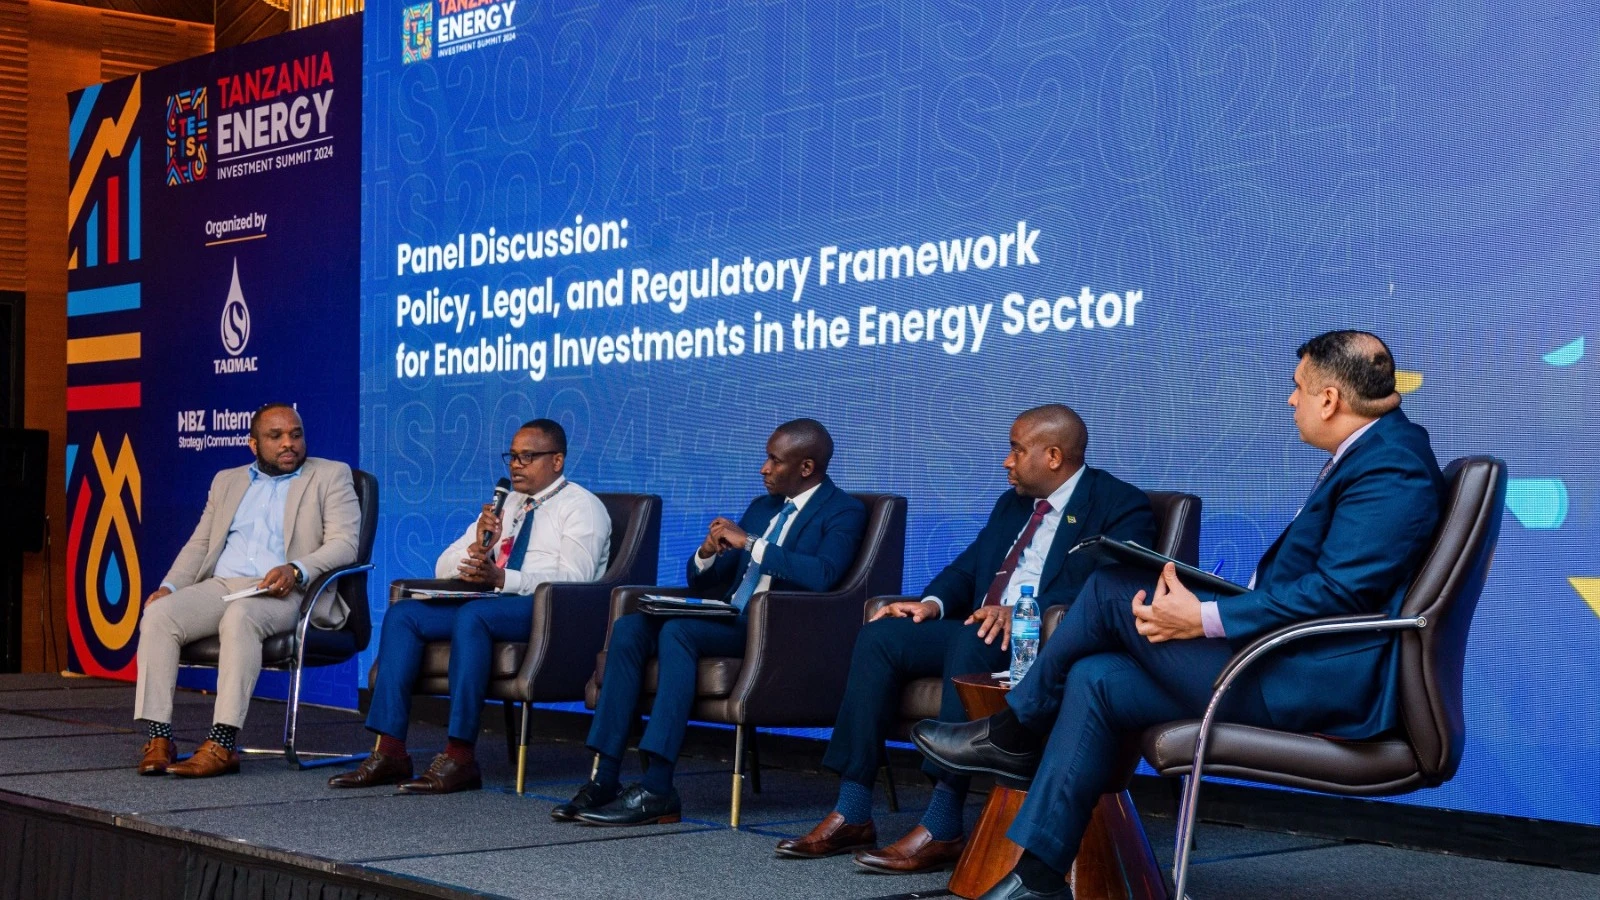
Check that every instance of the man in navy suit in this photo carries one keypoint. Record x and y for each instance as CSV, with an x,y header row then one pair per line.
x,y
1118,664
801,536
962,625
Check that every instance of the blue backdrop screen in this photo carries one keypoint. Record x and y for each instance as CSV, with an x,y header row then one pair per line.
x,y
674,226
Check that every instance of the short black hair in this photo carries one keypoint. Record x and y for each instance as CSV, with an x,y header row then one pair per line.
x,y
1359,362
1064,427
551,429
814,440
255,417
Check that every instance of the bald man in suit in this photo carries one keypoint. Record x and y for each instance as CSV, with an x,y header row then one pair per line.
x,y
274,525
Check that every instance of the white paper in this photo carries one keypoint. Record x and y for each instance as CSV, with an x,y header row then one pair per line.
x,y
247,592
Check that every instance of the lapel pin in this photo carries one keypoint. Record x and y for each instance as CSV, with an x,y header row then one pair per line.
x,y
1072,520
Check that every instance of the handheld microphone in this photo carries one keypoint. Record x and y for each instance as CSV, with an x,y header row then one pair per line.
x,y
502,489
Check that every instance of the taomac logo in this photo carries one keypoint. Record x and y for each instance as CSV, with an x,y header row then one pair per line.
x,y
235,330
188,125
416,30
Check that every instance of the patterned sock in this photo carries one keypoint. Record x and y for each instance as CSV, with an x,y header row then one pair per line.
x,y
1037,875
608,773
225,735
943,816
160,729
657,774
459,750
855,802
392,746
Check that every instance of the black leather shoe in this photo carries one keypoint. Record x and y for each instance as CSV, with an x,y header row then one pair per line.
x,y
636,806
590,796
1012,888
965,747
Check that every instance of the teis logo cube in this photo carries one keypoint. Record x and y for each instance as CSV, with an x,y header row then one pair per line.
x,y
188,126
417,31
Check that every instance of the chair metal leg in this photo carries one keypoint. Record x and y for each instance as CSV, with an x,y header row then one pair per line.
x,y
1184,842
738,775
522,748
755,761
509,708
292,722
300,759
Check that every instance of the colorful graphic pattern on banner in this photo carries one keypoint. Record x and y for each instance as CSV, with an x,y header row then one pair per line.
x,y
673,225
188,312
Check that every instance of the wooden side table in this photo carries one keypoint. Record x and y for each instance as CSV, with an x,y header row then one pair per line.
x,y
1114,861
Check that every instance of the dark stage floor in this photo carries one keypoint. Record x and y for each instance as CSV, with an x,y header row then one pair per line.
x,y
71,741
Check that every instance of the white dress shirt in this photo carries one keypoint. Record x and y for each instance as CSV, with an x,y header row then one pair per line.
x,y
758,545
570,541
1210,615
1031,565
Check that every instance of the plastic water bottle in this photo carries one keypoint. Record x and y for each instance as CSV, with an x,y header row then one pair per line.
x,y
1024,634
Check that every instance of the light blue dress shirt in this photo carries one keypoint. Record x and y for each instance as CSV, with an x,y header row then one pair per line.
x,y
255,539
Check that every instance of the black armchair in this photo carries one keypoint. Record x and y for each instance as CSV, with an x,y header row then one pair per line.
x,y
764,688
569,624
1431,632
306,645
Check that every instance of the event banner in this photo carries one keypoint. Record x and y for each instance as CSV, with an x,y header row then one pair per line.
x,y
212,268
672,226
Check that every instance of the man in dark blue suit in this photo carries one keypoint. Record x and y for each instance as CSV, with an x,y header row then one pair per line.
x,y
801,536
962,625
1118,664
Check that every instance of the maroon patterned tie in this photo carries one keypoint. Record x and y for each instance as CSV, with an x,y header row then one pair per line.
x,y
997,589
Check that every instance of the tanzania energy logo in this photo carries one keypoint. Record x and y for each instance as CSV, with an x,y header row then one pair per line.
x,y
417,32
235,331
188,125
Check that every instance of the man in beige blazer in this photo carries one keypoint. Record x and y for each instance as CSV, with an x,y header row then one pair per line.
x,y
272,526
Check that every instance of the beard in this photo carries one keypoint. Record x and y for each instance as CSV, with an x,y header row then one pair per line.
x,y
270,467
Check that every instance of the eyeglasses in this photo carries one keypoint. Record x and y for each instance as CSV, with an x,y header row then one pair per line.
x,y
526,457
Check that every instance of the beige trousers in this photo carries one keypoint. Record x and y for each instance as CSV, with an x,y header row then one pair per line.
x,y
196,612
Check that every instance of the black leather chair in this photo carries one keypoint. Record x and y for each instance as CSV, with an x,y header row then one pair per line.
x,y
1177,536
1432,639
797,653
307,645
569,624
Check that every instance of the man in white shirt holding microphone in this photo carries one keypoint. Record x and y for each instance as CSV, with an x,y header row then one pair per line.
x,y
550,529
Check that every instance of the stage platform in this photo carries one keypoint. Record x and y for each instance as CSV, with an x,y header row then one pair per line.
x,y
75,821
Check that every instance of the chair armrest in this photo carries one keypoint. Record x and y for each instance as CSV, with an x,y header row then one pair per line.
x,y
314,592
1051,621
322,583
797,656
626,599
1265,644
570,623
398,588
877,603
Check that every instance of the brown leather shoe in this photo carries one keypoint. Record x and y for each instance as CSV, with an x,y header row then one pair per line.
x,y
444,776
831,837
375,770
210,759
158,756
917,851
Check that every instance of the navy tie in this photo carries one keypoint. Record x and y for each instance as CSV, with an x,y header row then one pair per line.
x,y
519,550
752,571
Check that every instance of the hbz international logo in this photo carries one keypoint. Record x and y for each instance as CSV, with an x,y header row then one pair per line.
x,y
188,126
416,31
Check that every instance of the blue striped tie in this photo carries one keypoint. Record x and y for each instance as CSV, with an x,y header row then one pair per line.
x,y
752,572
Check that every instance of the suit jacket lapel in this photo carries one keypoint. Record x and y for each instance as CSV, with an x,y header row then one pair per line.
x,y
233,489
1069,532
804,516
291,507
